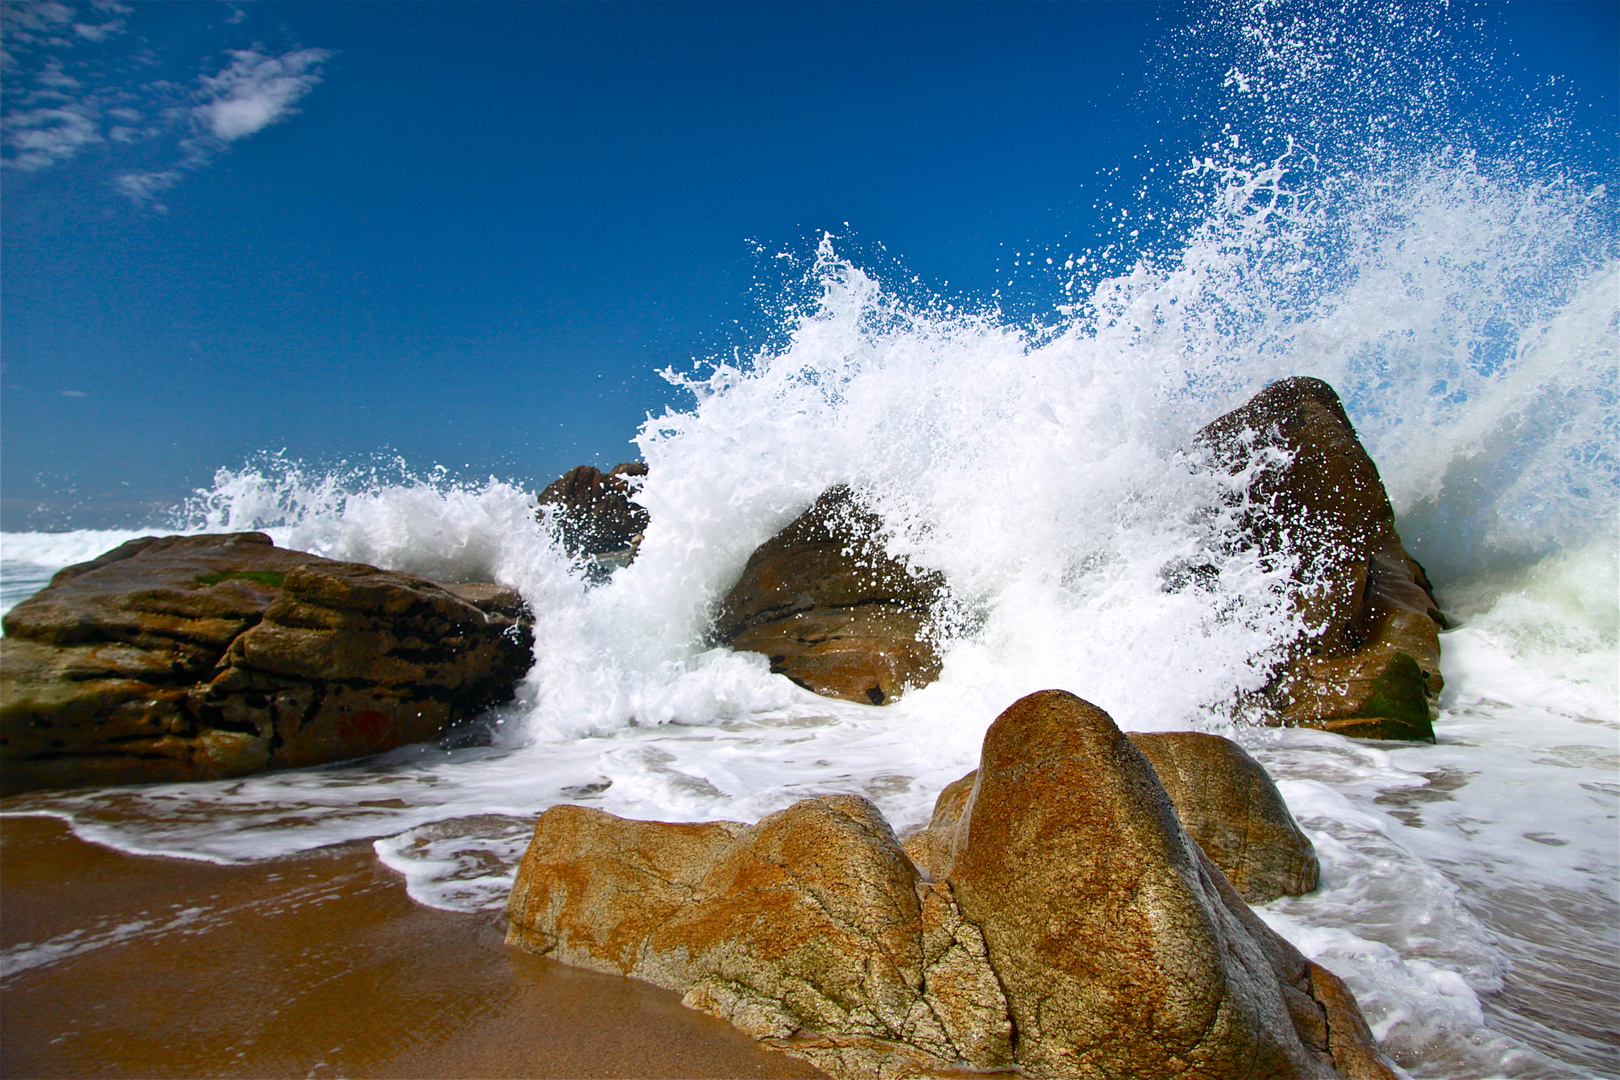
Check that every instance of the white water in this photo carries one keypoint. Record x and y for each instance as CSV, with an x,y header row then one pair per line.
x,y
1467,313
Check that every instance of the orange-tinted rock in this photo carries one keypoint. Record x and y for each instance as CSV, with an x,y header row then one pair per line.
x,y
833,611
933,848
1079,930
592,509
205,657
1122,949
810,930
1223,798
1369,666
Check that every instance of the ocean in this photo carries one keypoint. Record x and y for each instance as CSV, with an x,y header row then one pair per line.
x,y
1462,294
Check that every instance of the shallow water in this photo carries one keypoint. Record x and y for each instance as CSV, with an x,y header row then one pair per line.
x,y
1464,306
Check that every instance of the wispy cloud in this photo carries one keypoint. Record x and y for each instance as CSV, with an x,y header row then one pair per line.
x,y
146,186
70,86
257,90
42,137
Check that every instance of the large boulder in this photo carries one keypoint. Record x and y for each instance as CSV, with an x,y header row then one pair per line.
x,y
833,611
1123,951
1224,799
1369,662
593,512
203,657
810,930
1079,933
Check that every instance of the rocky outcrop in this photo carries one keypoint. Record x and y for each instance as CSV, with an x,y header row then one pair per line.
x,y
1369,663
592,510
1079,933
1223,798
202,657
833,611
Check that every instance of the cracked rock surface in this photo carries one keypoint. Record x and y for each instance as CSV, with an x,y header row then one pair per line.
x,y
205,657
1079,931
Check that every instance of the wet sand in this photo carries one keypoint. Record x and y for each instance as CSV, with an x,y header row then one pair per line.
x,y
313,966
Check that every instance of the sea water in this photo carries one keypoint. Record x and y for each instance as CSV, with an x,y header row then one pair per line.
x,y
1464,306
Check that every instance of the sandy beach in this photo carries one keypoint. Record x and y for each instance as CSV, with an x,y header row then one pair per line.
x,y
318,965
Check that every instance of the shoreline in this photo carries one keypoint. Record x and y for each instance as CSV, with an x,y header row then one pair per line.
x,y
312,965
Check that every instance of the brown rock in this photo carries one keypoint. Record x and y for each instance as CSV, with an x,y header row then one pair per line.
x,y
1370,665
593,511
1081,932
933,848
1228,803
809,930
203,657
1122,949
1223,798
831,609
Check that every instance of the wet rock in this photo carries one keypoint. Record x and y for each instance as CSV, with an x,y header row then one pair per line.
x,y
1228,803
1079,931
833,611
810,930
202,657
1369,666
593,512
1122,949
1223,798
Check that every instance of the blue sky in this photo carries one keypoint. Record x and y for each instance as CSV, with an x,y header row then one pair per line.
x,y
471,233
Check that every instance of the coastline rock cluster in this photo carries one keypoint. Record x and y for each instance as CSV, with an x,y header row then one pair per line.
x,y
840,617
1062,924
204,657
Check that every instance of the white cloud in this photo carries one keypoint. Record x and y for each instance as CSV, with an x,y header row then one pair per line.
x,y
150,131
145,187
256,91
43,137
98,31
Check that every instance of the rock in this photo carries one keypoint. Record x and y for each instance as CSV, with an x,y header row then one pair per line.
x,y
1228,803
1223,798
592,509
1369,666
1080,931
933,848
203,657
1122,950
810,930
833,611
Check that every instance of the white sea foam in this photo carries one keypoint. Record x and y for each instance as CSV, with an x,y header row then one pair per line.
x,y
1467,313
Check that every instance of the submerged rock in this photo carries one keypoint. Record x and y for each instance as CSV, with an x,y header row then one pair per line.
x,y
593,512
1369,666
1223,798
833,611
203,657
1079,932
